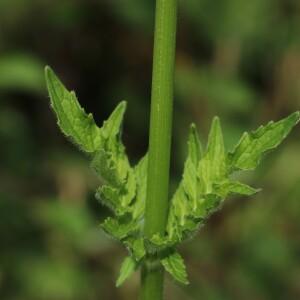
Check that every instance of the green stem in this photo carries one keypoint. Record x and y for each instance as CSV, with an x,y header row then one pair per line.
x,y
152,283
160,137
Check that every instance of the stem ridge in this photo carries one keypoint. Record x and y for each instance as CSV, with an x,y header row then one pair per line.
x,y
160,137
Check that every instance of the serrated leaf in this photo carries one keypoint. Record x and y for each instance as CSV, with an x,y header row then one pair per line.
x,y
174,264
204,187
251,147
181,207
186,196
212,167
129,190
105,166
112,126
119,229
136,247
194,145
159,243
72,119
109,197
181,220
128,267
205,182
228,187
140,172
174,231
190,178
119,180
121,184
216,151
208,204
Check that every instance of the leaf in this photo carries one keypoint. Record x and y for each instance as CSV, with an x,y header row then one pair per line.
x,y
174,264
123,188
105,166
194,145
181,223
136,247
111,127
119,187
128,267
159,243
140,172
72,119
110,197
190,179
208,204
186,195
251,147
234,187
203,189
181,207
212,168
119,229
129,191
204,186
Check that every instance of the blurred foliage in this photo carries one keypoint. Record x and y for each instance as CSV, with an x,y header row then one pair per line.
x,y
239,60
20,72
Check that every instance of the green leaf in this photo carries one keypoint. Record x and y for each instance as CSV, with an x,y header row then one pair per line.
x,y
129,191
119,180
119,229
190,179
123,188
203,189
208,204
181,207
140,172
159,243
212,168
251,147
110,197
186,196
112,126
105,166
128,267
204,186
194,145
136,247
72,119
228,187
174,264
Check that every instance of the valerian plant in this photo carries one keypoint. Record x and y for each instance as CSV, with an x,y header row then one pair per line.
x,y
206,181
142,217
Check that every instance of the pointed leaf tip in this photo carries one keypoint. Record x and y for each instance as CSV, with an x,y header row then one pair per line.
x,y
252,146
47,70
174,264
193,126
215,129
194,145
216,119
123,104
215,124
215,145
128,267
72,119
50,74
296,116
111,127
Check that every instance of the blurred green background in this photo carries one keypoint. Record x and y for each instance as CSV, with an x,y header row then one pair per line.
x,y
236,59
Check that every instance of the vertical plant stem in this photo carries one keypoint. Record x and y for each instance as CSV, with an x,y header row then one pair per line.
x,y
159,139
